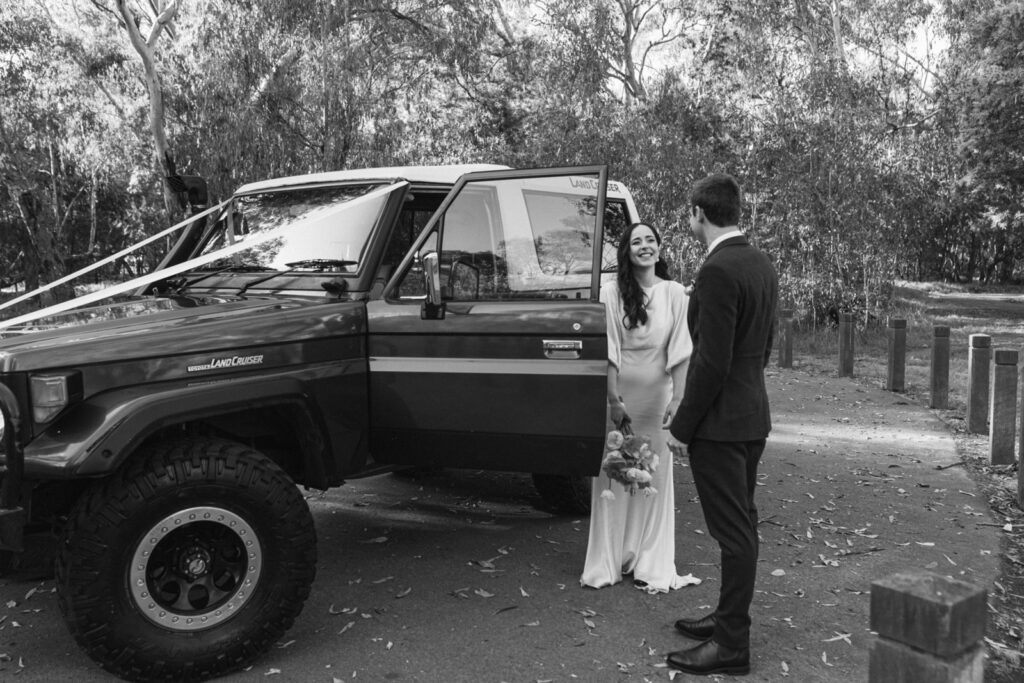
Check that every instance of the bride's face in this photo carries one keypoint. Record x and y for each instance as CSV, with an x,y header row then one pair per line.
x,y
643,247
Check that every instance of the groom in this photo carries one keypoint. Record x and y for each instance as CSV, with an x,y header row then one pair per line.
x,y
723,420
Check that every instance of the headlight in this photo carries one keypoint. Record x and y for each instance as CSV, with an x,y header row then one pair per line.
x,y
52,393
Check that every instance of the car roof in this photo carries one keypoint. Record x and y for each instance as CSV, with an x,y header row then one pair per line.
x,y
446,175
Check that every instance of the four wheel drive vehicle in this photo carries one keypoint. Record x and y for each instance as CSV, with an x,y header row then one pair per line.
x,y
307,331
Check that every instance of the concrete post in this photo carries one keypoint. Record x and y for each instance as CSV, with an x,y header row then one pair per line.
x,y
930,628
786,338
896,375
940,368
979,358
846,344
1003,430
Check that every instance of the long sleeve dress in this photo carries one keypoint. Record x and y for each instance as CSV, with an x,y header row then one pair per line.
x,y
635,534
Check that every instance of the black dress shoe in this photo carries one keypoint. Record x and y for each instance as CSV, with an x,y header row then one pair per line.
x,y
698,629
711,658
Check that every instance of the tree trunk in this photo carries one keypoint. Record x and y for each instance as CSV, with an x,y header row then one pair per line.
x,y
42,259
144,47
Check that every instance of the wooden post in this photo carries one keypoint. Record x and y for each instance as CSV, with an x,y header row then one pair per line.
x,y
978,359
1003,431
930,628
1020,465
846,344
896,375
940,368
786,338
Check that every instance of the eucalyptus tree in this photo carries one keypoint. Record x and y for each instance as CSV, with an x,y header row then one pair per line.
x,y
986,112
45,112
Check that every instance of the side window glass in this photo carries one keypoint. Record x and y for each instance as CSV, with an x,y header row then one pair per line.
x,y
522,238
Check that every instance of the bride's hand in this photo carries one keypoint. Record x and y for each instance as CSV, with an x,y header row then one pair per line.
x,y
670,411
618,413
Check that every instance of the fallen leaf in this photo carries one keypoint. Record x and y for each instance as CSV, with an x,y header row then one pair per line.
x,y
285,644
272,672
483,594
589,623
386,578
30,593
927,544
779,572
533,623
523,592
845,637
343,610
404,593
346,627
389,645
378,539
506,609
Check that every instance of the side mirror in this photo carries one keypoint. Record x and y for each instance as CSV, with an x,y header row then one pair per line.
x,y
433,307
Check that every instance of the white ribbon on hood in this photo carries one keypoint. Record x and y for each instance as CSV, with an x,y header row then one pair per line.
x,y
187,265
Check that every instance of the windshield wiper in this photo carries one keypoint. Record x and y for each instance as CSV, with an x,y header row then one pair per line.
x,y
321,264
182,284
247,285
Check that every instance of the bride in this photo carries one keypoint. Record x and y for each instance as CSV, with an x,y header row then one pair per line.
x,y
649,350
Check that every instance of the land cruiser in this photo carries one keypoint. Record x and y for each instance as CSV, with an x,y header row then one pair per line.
x,y
306,331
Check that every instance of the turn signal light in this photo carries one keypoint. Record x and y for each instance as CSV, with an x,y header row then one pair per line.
x,y
52,393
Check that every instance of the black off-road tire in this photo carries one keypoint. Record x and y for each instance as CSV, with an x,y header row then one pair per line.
x,y
565,494
188,564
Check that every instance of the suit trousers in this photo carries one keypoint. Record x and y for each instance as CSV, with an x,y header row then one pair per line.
x,y
725,475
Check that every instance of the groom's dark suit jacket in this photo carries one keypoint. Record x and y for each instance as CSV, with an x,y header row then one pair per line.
x,y
731,318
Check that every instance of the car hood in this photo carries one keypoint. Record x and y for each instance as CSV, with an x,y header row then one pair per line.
x,y
142,327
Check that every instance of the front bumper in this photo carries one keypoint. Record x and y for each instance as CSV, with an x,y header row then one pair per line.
x,y
12,471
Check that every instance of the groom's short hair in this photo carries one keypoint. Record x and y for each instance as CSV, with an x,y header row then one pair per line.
x,y
719,195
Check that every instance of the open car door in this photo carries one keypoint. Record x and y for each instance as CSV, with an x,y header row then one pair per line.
x,y
504,366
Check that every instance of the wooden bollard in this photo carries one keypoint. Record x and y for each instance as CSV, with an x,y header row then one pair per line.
x,y
1003,412
896,375
979,357
940,368
930,628
1020,466
846,344
786,338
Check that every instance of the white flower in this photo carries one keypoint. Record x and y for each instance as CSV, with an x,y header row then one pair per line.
x,y
615,440
655,461
607,494
650,491
643,477
633,474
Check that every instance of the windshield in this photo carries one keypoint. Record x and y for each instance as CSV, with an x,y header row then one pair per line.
x,y
321,232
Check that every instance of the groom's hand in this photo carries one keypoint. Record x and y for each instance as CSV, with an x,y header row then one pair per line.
x,y
676,446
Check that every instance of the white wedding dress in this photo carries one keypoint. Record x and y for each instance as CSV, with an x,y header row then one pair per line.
x,y
635,534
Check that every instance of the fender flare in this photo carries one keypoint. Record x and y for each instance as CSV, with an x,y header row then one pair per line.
x,y
98,435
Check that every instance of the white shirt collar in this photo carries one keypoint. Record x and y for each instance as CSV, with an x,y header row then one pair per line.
x,y
722,238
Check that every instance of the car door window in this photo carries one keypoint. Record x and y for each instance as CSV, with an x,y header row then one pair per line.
x,y
520,238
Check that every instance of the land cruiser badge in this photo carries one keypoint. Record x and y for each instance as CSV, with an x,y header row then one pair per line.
x,y
229,362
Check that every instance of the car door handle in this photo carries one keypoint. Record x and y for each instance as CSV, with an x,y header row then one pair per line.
x,y
562,349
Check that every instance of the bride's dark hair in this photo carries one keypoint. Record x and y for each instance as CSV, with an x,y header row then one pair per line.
x,y
633,297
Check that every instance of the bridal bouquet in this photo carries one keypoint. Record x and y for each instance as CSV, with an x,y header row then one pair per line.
x,y
629,460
